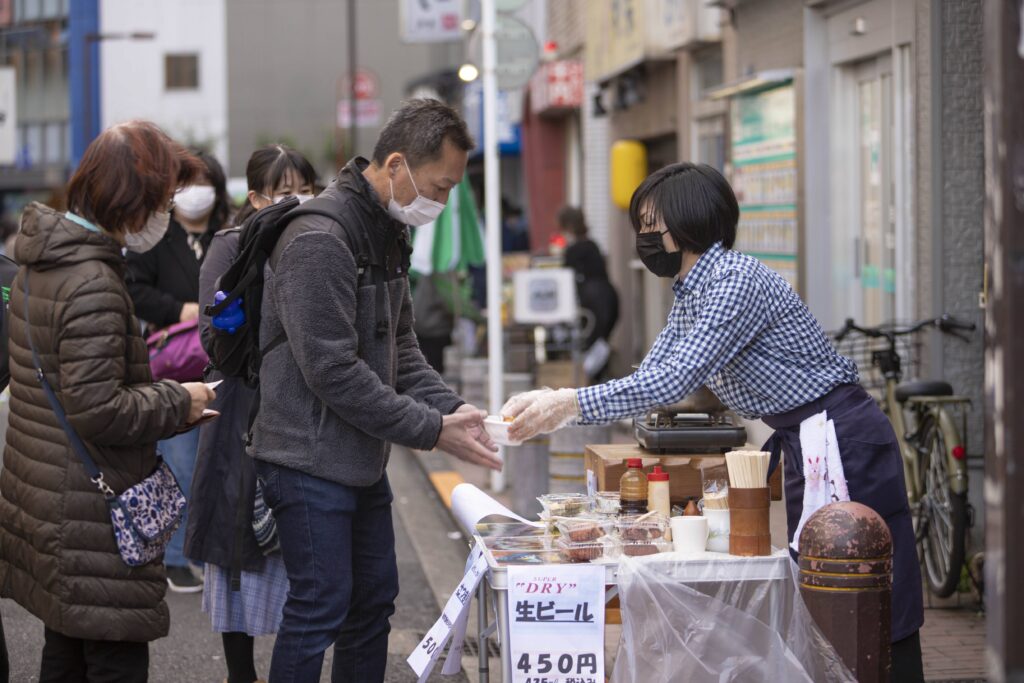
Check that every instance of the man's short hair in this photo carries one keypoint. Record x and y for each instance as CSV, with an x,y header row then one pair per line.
x,y
418,130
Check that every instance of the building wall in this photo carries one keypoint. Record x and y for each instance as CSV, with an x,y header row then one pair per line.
x,y
133,71
285,61
771,35
567,24
963,199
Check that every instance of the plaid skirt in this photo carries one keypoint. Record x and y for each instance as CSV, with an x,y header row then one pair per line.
x,y
255,609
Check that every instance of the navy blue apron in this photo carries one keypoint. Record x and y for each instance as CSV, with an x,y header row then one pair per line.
x,y
874,474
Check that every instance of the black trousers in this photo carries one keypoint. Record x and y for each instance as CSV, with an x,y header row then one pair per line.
x,y
433,350
906,660
5,667
75,660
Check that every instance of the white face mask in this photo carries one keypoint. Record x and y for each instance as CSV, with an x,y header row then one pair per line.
x,y
420,211
303,198
194,202
152,232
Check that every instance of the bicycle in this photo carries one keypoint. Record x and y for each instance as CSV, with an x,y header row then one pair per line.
x,y
934,453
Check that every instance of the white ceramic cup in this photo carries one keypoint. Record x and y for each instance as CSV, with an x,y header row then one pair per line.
x,y
689,534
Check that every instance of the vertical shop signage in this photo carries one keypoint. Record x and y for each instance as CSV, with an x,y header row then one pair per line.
x,y
556,620
765,177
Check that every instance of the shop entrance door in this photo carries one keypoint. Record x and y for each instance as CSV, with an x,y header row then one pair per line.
x,y
872,200
877,239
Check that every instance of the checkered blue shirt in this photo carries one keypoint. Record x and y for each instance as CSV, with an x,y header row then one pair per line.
x,y
737,327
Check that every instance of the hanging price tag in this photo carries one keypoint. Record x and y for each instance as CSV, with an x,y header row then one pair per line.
x,y
452,621
556,619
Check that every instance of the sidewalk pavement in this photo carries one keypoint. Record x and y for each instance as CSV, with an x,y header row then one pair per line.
x,y
953,636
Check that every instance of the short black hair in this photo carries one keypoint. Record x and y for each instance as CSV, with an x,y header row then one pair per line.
x,y
266,169
418,130
697,204
570,219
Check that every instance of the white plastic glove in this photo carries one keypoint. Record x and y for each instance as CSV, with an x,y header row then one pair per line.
x,y
520,402
541,412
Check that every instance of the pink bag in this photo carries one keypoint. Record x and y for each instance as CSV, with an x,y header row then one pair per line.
x,y
177,353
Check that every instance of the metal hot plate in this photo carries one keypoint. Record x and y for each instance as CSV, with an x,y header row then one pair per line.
x,y
670,432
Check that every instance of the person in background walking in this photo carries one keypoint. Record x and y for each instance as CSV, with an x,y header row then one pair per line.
x,y
595,290
58,556
224,533
439,301
164,284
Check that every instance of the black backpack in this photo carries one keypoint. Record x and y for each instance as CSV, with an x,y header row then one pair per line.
x,y
239,354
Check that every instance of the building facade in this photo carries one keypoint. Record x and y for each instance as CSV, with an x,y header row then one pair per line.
x,y
36,38
167,62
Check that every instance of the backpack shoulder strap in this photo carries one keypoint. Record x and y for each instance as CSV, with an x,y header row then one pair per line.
x,y
358,242
333,209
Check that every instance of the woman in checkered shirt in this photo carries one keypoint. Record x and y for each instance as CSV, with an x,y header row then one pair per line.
x,y
739,328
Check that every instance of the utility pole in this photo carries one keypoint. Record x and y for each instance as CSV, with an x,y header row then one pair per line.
x,y
353,66
492,211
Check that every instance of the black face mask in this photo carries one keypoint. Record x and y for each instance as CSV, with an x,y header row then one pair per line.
x,y
651,248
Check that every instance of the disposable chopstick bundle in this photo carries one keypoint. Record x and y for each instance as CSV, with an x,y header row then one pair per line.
x,y
747,469
719,500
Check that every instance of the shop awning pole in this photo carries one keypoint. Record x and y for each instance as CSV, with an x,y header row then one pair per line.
x,y
492,212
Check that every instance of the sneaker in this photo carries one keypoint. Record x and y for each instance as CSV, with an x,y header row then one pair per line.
x,y
183,580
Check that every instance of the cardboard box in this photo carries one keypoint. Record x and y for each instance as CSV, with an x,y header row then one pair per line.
x,y
608,462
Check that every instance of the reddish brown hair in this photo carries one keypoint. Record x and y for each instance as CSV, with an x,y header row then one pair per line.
x,y
128,173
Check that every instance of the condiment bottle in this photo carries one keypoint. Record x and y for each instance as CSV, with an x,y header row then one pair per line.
x,y
691,509
657,492
658,497
633,488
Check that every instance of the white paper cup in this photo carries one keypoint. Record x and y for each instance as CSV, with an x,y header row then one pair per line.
x,y
689,534
497,429
718,527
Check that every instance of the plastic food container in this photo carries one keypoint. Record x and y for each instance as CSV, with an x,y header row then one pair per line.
x,y
634,528
582,529
641,548
607,502
565,504
581,552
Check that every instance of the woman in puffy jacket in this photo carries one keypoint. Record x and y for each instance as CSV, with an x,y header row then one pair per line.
x,y
58,556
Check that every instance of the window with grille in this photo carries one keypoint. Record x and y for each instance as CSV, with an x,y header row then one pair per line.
x,y
181,72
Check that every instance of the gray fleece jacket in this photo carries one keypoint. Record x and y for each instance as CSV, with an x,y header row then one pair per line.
x,y
341,390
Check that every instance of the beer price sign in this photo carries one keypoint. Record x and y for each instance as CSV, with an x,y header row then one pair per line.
x,y
556,620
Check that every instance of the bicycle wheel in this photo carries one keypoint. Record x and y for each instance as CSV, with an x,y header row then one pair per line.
x,y
942,515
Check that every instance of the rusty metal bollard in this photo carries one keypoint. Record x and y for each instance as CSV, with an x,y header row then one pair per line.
x,y
846,583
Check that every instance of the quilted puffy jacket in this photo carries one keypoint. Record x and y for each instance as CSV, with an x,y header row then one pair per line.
x,y
58,557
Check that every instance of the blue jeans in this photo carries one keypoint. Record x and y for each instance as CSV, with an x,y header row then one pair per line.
x,y
179,452
338,545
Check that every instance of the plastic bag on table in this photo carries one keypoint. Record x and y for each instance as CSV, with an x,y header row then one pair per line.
x,y
723,619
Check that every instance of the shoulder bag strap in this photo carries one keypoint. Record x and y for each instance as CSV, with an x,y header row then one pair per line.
x,y
76,442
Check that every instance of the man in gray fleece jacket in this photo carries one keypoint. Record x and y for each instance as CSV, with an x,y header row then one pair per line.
x,y
347,381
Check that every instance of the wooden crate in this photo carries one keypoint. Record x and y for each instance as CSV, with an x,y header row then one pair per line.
x,y
608,462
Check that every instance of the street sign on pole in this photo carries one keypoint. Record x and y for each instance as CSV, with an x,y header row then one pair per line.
x,y
518,51
8,116
430,21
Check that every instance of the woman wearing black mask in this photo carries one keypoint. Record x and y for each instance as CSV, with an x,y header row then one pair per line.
x,y
739,328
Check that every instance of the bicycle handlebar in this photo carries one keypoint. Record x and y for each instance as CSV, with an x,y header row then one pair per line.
x,y
945,323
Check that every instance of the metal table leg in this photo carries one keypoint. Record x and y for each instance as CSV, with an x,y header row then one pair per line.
x,y
482,632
